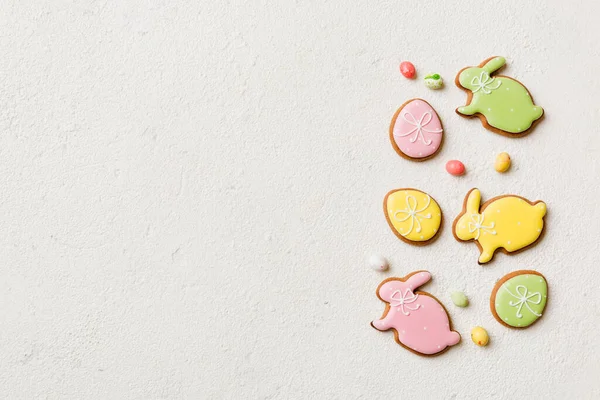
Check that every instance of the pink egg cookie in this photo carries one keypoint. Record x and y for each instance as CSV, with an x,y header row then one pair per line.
x,y
416,131
420,322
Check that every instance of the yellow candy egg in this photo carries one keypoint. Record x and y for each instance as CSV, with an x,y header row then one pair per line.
x,y
502,163
479,336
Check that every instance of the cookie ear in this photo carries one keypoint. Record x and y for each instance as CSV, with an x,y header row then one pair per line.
x,y
418,279
473,201
494,64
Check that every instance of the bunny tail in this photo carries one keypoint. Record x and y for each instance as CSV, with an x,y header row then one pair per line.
x,y
541,207
453,338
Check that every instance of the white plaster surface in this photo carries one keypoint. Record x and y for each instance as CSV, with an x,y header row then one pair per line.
x,y
190,190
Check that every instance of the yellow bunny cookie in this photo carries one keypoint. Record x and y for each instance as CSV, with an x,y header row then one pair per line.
x,y
508,222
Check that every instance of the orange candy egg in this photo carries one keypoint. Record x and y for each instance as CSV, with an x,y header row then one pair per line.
x,y
502,163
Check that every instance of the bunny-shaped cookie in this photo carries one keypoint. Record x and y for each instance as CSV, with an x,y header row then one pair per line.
x,y
508,222
420,323
503,104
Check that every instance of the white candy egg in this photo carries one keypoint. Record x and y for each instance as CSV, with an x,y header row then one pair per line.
x,y
378,263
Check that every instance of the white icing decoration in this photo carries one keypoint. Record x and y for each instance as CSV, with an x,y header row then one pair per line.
x,y
484,82
413,213
476,225
419,127
404,300
524,299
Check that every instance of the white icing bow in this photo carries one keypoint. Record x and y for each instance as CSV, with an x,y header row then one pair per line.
x,y
476,225
419,127
524,299
403,301
484,82
413,213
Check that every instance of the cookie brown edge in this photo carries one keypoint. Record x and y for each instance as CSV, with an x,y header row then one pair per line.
x,y
395,146
419,292
398,235
482,117
501,282
482,209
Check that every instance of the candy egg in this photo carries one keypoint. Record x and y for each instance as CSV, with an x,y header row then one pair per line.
x,y
502,163
378,263
459,299
455,167
407,69
479,336
434,81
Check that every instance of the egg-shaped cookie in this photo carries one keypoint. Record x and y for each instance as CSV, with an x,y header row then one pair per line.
x,y
519,298
414,216
416,131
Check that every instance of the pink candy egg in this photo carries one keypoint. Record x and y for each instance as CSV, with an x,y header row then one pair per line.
x,y
455,167
407,69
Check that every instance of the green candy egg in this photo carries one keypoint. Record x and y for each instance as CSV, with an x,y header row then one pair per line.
x,y
459,299
434,81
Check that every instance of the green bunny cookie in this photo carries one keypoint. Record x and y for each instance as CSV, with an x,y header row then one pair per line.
x,y
504,105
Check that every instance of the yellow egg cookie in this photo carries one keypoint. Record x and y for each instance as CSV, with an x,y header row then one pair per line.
x,y
414,216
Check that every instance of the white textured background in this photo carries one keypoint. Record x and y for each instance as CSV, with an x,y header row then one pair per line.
x,y
189,190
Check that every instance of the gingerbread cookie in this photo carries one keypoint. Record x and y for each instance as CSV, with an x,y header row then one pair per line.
x,y
507,222
503,104
414,216
416,131
518,300
420,322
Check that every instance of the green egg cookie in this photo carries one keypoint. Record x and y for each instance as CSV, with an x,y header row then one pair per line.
x,y
519,298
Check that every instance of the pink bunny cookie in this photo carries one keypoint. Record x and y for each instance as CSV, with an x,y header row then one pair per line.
x,y
420,322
